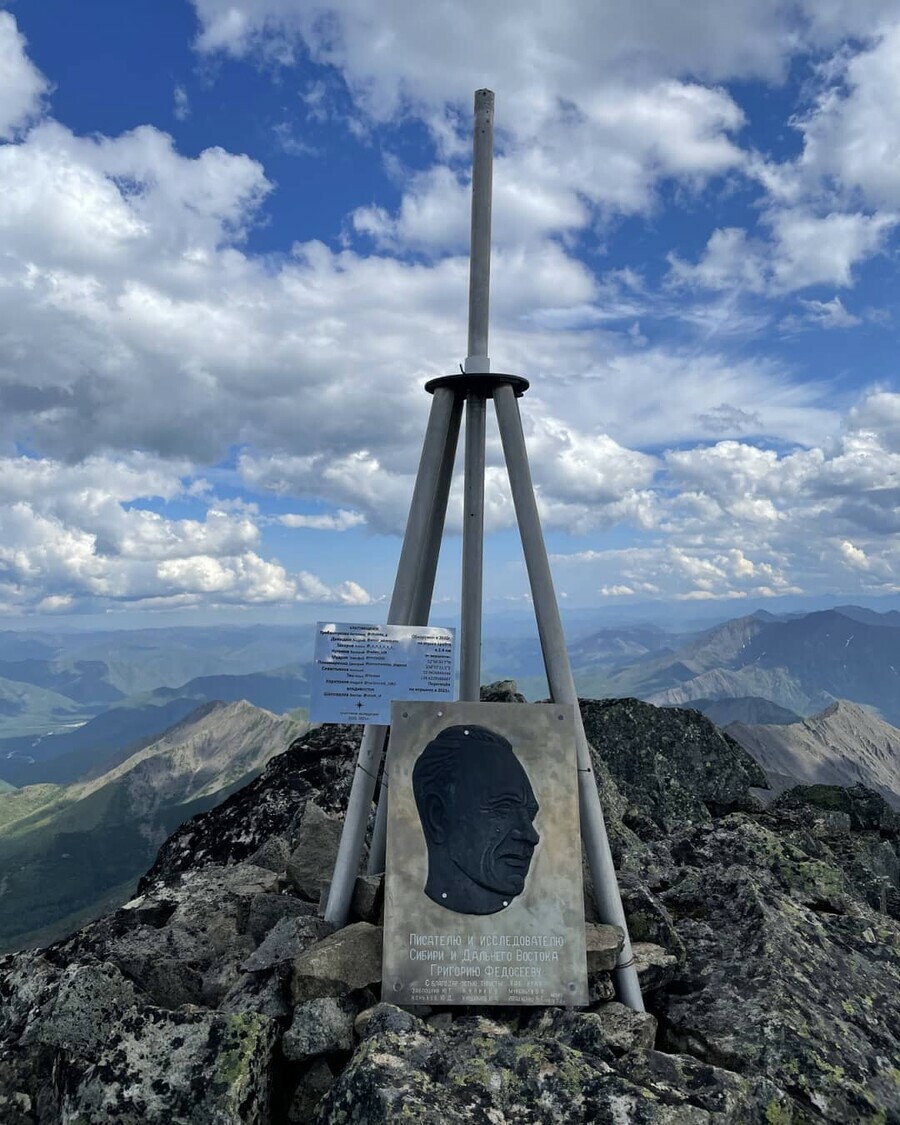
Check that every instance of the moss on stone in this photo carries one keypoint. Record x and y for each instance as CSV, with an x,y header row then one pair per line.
x,y
777,1114
473,1070
239,1041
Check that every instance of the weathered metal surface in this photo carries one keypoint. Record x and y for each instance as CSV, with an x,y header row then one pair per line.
x,y
483,900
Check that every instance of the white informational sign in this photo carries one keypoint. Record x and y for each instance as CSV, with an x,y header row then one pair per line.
x,y
359,670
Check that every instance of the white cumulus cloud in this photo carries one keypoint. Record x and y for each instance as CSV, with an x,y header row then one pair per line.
x,y
22,86
83,536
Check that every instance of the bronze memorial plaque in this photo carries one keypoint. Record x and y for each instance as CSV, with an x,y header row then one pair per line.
x,y
483,899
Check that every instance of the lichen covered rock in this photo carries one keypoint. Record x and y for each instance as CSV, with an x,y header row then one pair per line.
x,y
311,862
786,973
86,1003
672,766
318,1027
611,1027
479,1070
381,1018
192,1066
285,942
602,945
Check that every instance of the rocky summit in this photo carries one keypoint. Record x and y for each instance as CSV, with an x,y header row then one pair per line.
x,y
767,942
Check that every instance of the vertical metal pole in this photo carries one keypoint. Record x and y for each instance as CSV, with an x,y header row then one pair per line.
x,y
472,552
480,245
562,686
420,610
477,362
409,568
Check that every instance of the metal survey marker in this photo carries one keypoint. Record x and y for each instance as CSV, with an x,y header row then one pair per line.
x,y
477,384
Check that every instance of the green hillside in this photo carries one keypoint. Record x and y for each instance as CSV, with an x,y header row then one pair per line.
x,y
27,709
18,806
66,851
67,856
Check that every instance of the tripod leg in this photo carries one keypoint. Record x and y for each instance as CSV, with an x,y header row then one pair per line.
x,y
562,685
473,552
378,848
428,573
421,609
408,569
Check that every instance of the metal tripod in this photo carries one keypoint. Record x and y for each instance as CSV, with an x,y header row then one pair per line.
x,y
416,570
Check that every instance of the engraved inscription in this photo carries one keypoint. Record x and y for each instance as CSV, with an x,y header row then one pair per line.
x,y
360,669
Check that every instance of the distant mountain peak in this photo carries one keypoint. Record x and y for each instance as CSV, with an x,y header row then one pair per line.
x,y
838,706
845,744
861,715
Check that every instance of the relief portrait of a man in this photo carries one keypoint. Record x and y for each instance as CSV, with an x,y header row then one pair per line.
x,y
477,810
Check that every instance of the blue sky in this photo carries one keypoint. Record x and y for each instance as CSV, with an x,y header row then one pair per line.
x,y
233,248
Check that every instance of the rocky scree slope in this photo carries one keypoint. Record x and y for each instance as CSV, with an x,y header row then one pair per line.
x,y
843,745
748,709
767,941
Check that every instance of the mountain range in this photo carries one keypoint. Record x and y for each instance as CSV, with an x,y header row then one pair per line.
x,y
63,755
51,684
119,749
136,660
751,709
48,680
69,851
800,662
